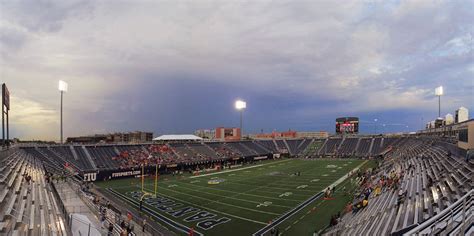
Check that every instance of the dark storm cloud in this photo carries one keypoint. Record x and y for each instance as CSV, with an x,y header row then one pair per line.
x,y
175,66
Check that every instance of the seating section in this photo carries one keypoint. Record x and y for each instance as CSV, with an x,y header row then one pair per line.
x,y
242,150
102,155
331,146
259,150
301,148
67,153
431,179
223,150
183,151
313,148
348,146
293,145
268,144
204,150
82,156
281,146
364,147
27,205
376,146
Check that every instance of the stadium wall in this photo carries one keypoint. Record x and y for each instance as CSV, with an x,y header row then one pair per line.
x,y
99,175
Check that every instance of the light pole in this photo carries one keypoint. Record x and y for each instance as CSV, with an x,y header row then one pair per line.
x,y
439,92
62,88
375,123
241,105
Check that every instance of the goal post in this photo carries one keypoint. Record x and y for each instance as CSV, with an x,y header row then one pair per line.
x,y
155,181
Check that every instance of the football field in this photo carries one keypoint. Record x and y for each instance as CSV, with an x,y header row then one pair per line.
x,y
243,200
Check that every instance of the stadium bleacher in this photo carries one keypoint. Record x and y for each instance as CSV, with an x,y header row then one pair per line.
x,y
432,180
364,147
204,150
269,145
27,206
83,159
348,146
259,150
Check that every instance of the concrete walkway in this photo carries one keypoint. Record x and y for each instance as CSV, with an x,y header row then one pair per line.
x,y
74,202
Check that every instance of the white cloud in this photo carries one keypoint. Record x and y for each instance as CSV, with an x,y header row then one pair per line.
x,y
32,120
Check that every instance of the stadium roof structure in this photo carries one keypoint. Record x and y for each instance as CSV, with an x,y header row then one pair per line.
x,y
168,137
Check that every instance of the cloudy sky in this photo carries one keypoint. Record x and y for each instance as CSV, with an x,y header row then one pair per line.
x,y
176,66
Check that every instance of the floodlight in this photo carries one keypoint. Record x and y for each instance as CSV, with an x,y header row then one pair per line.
x,y
62,86
439,91
239,105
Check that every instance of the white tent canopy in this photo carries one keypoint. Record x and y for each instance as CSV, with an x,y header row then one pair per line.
x,y
174,137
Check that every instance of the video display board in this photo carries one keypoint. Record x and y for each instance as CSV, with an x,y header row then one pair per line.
x,y
347,125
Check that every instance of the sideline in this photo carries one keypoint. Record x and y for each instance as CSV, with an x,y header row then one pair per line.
x,y
243,168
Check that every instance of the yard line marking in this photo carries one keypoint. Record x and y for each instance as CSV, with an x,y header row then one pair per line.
x,y
239,169
210,209
230,197
286,194
246,193
222,203
265,204
228,191
253,189
301,190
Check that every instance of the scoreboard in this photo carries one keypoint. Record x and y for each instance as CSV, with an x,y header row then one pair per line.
x,y
347,125
5,97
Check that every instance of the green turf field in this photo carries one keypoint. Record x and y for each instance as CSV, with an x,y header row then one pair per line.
x,y
242,201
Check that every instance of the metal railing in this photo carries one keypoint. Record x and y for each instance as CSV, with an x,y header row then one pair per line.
x,y
68,211
446,218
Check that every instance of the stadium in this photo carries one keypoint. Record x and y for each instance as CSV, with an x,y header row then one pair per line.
x,y
289,118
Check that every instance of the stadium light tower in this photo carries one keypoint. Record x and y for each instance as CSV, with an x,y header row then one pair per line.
x,y
241,105
439,92
375,123
62,88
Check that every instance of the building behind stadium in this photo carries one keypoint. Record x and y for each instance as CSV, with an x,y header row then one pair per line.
x,y
126,137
